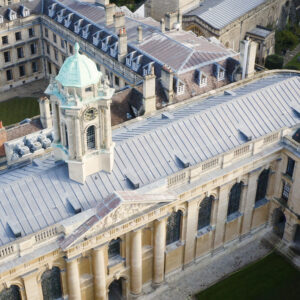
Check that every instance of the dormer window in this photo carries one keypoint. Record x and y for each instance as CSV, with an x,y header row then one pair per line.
x,y
113,50
96,38
11,15
77,26
136,63
85,31
219,72
105,41
25,12
68,20
201,78
129,59
180,87
60,15
51,10
147,69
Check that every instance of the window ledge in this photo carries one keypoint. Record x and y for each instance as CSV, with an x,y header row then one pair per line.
x,y
233,216
113,261
261,202
205,230
288,177
174,246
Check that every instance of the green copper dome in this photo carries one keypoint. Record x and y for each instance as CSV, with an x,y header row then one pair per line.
x,y
78,71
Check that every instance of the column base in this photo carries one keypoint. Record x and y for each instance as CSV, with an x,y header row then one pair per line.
x,y
134,296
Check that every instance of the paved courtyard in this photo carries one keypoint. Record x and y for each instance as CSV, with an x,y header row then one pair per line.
x,y
184,285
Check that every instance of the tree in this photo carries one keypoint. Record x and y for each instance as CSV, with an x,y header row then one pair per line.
x,y
274,61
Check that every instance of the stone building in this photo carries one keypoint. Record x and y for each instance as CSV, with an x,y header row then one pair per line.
x,y
149,64
231,21
110,213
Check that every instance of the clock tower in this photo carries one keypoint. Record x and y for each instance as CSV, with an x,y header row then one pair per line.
x,y
80,102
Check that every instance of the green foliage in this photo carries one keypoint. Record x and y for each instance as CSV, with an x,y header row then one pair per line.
x,y
271,278
17,109
131,4
294,64
274,61
285,40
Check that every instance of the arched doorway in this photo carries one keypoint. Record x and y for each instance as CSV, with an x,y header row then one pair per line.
x,y
116,290
279,222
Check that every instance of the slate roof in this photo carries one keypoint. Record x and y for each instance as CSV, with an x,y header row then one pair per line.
x,y
180,50
220,13
39,195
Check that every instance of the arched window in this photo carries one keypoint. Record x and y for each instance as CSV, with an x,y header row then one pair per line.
x,y
205,212
12,293
114,248
234,199
90,137
262,185
51,284
174,227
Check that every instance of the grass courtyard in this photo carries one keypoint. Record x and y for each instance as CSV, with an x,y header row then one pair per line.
x,y
17,109
270,278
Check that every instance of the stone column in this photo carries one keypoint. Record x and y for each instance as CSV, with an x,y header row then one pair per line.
x,y
249,202
159,250
191,231
55,123
70,124
221,217
78,139
136,262
99,273
73,279
32,288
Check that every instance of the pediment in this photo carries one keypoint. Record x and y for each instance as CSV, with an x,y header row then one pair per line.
x,y
118,207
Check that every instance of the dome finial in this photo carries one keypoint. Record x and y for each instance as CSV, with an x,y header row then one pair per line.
x,y
77,47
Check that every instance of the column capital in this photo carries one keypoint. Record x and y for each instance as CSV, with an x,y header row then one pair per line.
x,y
71,259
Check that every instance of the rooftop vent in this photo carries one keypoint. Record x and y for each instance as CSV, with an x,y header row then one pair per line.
x,y
15,228
74,204
167,115
24,11
60,15
182,160
11,14
133,180
229,93
296,109
245,132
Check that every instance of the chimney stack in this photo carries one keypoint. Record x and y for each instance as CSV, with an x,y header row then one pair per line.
x,y
122,45
149,96
119,20
110,11
140,34
247,57
167,82
45,114
162,26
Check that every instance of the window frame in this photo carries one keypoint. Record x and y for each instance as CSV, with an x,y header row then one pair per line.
x,y
173,234
262,185
234,201
206,202
18,35
91,138
290,167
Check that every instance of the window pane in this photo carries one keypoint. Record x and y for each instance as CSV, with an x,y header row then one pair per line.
x,y
234,198
51,284
173,227
205,212
90,137
290,167
262,185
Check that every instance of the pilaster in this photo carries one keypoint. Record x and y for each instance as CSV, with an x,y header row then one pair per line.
x,y
136,262
32,288
99,273
73,279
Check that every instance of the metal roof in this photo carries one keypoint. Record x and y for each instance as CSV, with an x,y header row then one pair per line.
x,y
220,13
39,195
262,32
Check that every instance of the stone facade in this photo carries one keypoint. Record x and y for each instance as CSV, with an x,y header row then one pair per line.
x,y
125,250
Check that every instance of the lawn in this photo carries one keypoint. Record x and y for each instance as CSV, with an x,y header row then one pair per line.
x,y
270,278
17,109
294,63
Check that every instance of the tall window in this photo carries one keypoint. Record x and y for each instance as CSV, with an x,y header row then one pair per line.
x,y
205,212
290,167
234,199
285,191
262,185
90,137
114,248
66,137
174,227
18,36
13,293
51,284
